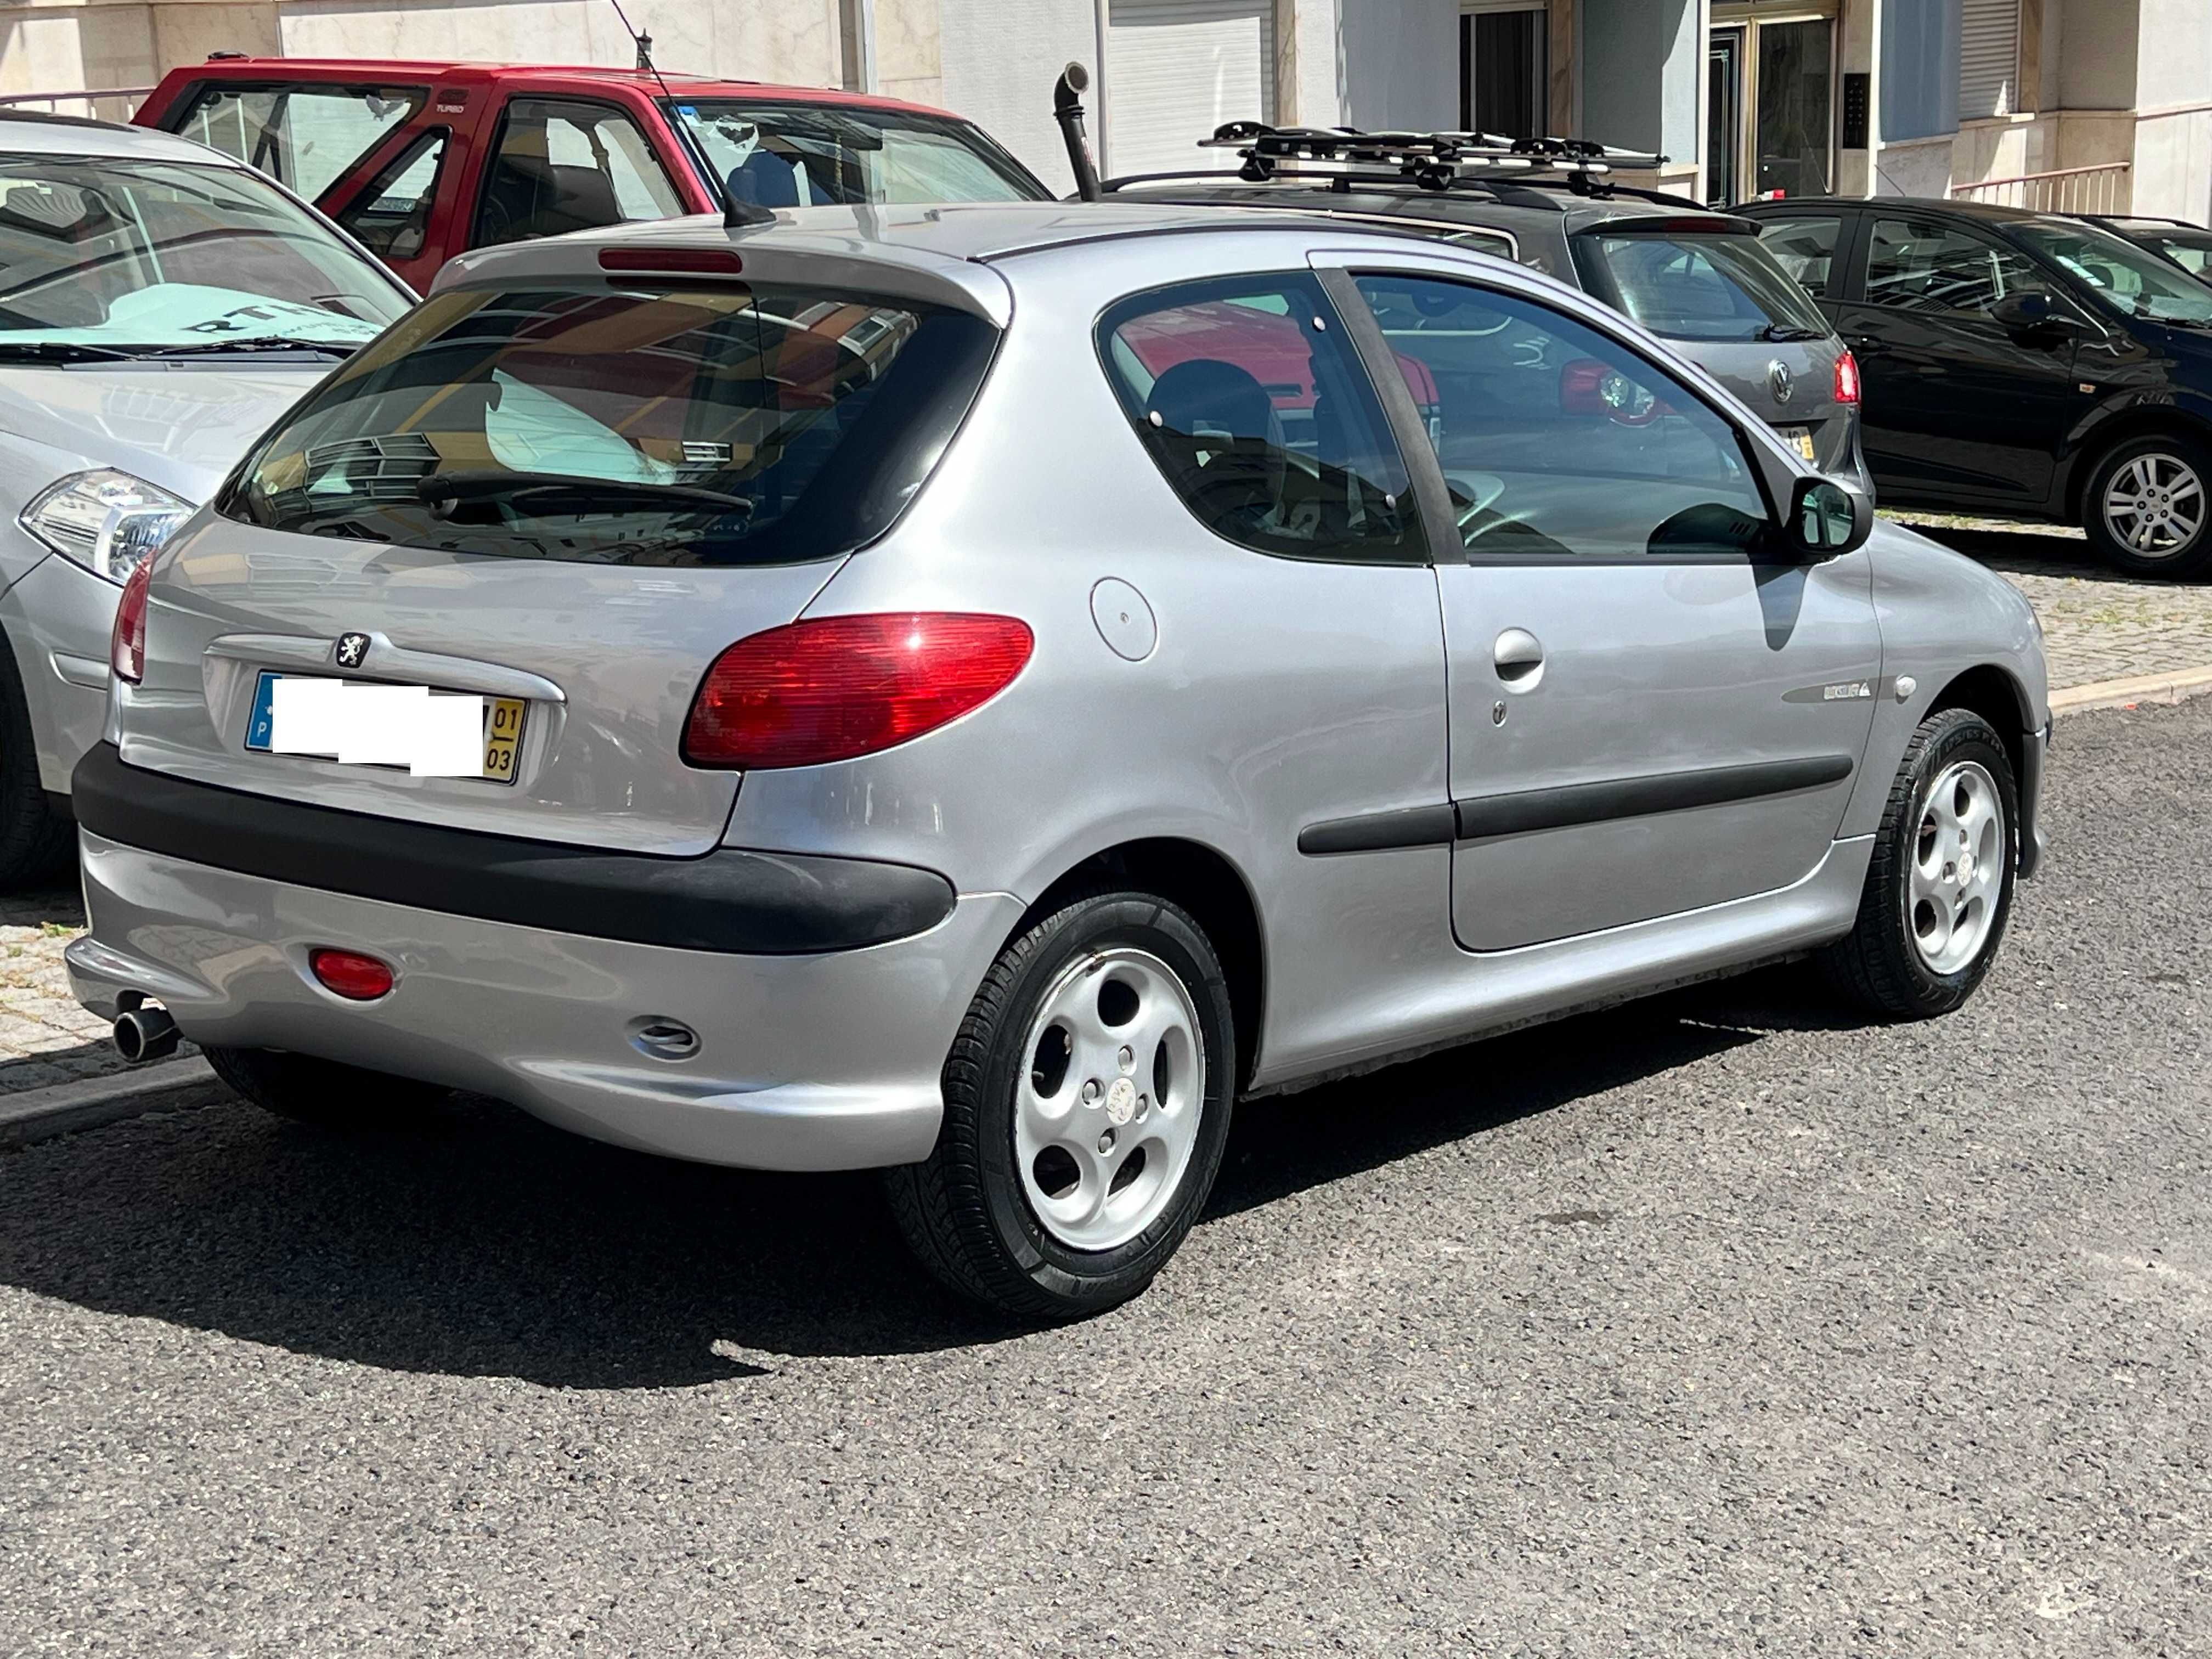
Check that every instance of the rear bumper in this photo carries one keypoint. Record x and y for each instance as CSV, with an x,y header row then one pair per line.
x,y
729,899
822,1061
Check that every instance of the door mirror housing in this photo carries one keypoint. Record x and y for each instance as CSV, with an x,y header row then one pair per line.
x,y
2031,316
1827,519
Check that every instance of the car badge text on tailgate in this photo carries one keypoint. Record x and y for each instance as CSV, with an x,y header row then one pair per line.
x,y
351,649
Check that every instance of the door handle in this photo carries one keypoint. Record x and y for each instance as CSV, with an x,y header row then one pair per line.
x,y
1518,656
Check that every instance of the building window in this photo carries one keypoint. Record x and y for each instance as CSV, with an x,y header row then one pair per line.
x,y
1502,69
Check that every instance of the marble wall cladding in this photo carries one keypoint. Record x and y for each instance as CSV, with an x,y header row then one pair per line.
x,y
46,48
909,59
187,33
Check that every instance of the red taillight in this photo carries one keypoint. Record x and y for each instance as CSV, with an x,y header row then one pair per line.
x,y
836,687
349,974
1847,378
679,261
127,645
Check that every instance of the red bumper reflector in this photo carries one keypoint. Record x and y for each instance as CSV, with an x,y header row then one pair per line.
x,y
349,974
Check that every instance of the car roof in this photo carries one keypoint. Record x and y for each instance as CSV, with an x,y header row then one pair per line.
x,y
372,69
1555,207
1986,212
23,132
946,249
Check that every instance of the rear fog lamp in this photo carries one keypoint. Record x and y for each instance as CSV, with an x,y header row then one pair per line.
x,y
351,974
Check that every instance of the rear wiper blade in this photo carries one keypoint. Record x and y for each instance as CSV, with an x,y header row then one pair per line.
x,y
261,344
1786,331
60,351
577,493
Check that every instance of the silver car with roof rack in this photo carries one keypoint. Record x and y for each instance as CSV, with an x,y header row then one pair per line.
x,y
979,690
1696,277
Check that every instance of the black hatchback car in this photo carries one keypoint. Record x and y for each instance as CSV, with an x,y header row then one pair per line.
x,y
2027,365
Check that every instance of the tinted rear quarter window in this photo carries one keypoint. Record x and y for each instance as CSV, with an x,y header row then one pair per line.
x,y
720,424
1805,248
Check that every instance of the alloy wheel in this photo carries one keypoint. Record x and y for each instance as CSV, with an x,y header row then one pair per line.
x,y
1958,868
2155,505
1106,1111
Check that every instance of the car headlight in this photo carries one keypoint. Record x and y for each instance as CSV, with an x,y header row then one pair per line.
x,y
107,521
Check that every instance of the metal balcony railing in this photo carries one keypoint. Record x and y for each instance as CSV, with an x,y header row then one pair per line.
x,y
2102,189
101,103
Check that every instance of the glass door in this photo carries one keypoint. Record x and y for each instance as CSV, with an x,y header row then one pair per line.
x,y
1770,92
1797,108
1502,69
1723,116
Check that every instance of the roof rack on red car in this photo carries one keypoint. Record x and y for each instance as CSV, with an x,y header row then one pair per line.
x,y
1345,157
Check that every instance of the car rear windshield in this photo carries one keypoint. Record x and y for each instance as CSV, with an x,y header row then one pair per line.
x,y
1697,285
714,424
778,155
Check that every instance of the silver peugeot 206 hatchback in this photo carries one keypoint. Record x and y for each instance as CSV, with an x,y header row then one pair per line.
x,y
979,691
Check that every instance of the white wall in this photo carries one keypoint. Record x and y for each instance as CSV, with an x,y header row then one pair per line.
x,y
999,60
1400,64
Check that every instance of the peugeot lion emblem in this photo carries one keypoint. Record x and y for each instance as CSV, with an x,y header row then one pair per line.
x,y
1777,376
352,647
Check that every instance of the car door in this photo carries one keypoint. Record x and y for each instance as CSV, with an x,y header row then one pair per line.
x,y
1956,408
1651,709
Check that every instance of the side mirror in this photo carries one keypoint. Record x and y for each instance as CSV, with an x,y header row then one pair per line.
x,y
1827,520
2032,316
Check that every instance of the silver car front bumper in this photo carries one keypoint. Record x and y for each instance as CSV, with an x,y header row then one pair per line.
x,y
825,1061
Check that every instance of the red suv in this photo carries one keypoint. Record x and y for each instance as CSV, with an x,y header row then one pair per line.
x,y
423,161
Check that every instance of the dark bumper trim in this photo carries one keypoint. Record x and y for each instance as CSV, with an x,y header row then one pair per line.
x,y
729,900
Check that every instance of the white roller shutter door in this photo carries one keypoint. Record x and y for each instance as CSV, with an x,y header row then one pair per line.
x,y
1989,59
1175,70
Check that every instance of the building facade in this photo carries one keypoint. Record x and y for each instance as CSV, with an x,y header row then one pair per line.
x,y
2081,105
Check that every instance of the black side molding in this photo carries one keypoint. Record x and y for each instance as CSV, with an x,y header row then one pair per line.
x,y
1629,797
729,900
1378,832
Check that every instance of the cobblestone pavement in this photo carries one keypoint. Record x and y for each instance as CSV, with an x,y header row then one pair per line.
x,y
2098,625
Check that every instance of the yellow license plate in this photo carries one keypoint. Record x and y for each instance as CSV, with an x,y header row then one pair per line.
x,y
1799,438
502,729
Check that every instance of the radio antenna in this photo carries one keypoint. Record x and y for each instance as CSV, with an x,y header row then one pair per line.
x,y
735,215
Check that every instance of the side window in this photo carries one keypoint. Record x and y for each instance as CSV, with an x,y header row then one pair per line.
x,y
1255,408
306,137
1806,249
562,166
391,217
1557,441
1915,266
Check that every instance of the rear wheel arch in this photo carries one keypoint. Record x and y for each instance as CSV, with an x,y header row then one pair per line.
x,y
2107,435
1212,889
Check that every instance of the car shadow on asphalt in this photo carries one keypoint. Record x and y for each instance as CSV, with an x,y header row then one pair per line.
x,y
483,1244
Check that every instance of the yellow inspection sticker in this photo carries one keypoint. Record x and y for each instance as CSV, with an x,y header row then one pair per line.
x,y
502,731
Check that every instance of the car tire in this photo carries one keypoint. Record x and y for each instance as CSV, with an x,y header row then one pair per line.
x,y
37,840
324,1092
2131,514
1023,1205
1939,887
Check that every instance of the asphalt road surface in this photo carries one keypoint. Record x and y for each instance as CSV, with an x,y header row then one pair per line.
x,y
1716,1326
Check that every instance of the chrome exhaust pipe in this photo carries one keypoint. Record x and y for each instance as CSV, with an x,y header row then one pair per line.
x,y
145,1033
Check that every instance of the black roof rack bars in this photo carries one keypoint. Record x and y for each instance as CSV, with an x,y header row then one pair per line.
x,y
1434,160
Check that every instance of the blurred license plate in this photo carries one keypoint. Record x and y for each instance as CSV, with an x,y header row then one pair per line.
x,y
1799,438
430,734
